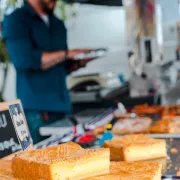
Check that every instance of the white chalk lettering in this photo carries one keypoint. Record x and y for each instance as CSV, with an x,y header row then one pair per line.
x,y
1,147
3,121
6,145
15,148
20,126
9,145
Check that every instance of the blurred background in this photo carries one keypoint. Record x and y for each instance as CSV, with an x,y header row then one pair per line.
x,y
93,26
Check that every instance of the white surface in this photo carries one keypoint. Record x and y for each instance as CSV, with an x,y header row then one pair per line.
x,y
100,26
10,89
48,131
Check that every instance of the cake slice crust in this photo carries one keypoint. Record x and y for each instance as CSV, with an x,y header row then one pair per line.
x,y
167,125
136,148
59,163
5,167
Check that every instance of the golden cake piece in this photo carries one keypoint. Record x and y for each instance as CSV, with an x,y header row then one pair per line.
x,y
146,109
132,125
60,163
132,171
163,161
136,148
2,177
169,124
172,110
5,167
5,170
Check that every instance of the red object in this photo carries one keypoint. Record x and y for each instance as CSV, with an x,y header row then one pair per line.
x,y
74,130
129,110
86,139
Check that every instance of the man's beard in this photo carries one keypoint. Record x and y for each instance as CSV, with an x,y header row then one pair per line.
x,y
45,7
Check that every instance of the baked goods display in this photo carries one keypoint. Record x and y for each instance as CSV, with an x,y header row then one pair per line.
x,y
119,171
132,125
167,125
61,163
136,148
127,157
127,126
5,170
163,161
132,171
171,110
70,161
166,121
147,110
5,167
7,178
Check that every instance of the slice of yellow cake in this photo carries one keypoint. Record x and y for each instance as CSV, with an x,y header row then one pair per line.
x,y
136,148
5,170
61,163
132,125
5,167
132,171
163,161
3,177
167,125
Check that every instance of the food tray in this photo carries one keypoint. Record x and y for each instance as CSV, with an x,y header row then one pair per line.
x,y
165,136
173,161
170,178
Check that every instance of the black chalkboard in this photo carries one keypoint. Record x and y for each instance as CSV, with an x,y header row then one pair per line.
x,y
9,142
20,124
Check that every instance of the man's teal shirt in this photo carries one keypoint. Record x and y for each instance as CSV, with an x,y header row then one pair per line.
x,y
27,37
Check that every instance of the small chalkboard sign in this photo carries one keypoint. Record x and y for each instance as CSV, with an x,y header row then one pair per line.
x,y
14,132
9,142
20,124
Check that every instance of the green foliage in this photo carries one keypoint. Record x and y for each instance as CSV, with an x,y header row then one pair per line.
x,y
12,2
62,7
3,53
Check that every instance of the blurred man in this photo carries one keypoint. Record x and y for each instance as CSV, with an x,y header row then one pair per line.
x,y
37,45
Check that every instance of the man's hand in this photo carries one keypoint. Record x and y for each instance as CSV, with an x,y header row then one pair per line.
x,y
72,53
75,65
50,59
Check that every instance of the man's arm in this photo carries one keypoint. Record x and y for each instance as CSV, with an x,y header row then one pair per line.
x,y
21,50
51,59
